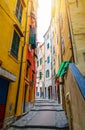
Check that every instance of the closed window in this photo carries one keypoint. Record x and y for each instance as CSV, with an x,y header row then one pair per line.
x,y
37,63
40,75
54,72
48,59
15,45
47,73
32,37
40,61
32,77
27,69
48,46
19,10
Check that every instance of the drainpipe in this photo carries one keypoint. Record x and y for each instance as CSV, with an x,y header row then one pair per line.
x,y
21,62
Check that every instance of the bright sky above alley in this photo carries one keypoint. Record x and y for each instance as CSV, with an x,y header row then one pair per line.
x,y
44,16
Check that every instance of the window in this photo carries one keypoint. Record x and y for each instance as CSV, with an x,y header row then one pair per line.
x,y
40,75
32,77
19,10
27,69
37,93
37,63
32,37
47,73
62,40
53,50
40,61
15,45
54,61
41,93
48,59
48,46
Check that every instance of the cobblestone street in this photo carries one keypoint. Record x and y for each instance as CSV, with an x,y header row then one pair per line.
x,y
45,114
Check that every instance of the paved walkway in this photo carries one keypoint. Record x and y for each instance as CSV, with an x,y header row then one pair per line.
x,y
45,114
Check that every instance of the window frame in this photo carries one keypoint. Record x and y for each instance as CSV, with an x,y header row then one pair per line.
x,y
47,73
12,51
40,61
37,63
48,59
40,75
19,11
48,46
32,77
27,69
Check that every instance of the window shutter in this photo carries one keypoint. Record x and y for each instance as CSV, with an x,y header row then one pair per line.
x,y
15,45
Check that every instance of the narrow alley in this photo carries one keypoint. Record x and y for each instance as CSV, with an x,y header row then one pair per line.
x,y
46,114
42,64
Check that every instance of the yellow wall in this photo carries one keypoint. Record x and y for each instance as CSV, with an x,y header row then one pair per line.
x,y
55,19
9,63
66,47
77,16
7,21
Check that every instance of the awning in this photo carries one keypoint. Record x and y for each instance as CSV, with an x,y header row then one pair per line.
x,y
62,68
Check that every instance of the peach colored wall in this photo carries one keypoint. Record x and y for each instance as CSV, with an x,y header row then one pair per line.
x,y
75,103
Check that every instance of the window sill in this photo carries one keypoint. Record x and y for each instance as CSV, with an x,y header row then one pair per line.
x,y
13,58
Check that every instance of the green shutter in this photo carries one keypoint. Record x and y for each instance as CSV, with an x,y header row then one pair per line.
x,y
40,61
62,68
48,46
40,75
15,45
48,59
47,73
32,38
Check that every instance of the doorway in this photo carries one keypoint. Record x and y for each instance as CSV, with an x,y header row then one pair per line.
x,y
25,94
4,84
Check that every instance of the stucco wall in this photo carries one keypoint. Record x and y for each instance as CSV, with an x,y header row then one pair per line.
x,y
77,13
75,104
